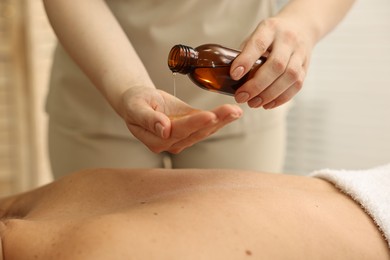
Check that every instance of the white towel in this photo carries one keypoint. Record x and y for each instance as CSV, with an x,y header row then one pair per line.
x,y
370,188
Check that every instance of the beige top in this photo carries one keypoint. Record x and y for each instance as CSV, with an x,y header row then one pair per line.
x,y
153,27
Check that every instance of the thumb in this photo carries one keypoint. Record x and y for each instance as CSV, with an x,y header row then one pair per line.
x,y
154,122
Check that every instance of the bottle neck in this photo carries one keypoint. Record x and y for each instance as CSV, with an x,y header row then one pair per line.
x,y
181,58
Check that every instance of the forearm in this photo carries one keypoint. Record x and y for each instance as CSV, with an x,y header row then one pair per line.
x,y
94,39
317,17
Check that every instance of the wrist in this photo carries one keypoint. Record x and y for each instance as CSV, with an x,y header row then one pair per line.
x,y
115,86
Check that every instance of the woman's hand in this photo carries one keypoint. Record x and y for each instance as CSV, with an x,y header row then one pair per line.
x,y
165,123
281,76
287,39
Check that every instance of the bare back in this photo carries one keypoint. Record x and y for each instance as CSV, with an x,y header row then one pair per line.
x,y
187,214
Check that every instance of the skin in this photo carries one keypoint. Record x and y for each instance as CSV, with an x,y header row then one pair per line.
x,y
116,70
287,39
185,125
187,214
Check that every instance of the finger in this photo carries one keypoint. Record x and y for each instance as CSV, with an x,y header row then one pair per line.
x,y
294,74
196,137
255,46
185,129
186,125
284,97
153,142
182,128
265,76
153,121
192,139
227,110
157,141
226,114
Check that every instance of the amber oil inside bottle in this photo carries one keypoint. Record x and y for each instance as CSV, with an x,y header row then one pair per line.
x,y
208,66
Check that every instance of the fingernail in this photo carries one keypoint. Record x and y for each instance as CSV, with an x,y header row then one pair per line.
x,y
242,97
238,73
234,115
159,129
239,112
256,101
269,105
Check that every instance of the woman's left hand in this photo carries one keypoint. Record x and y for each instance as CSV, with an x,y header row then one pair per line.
x,y
288,53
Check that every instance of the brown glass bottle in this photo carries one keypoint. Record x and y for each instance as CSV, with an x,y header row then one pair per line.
x,y
208,66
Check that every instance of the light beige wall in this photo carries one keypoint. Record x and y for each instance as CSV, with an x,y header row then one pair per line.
x,y
26,42
15,146
341,117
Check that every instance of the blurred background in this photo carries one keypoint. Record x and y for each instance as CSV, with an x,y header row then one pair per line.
x,y
341,118
26,43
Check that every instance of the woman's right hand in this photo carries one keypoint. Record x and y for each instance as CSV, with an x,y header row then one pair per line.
x,y
165,123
